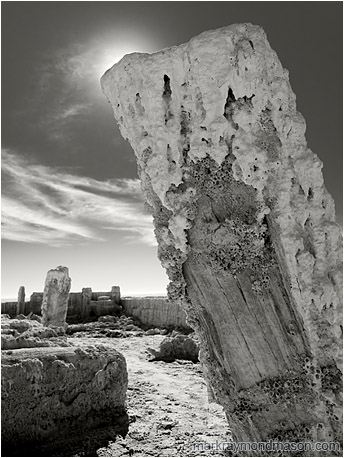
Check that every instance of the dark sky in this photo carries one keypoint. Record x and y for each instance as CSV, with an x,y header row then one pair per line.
x,y
68,193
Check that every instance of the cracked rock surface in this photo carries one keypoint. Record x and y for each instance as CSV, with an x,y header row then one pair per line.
x,y
245,227
54,398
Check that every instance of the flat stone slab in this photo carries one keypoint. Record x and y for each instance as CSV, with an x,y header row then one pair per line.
x,y
53,397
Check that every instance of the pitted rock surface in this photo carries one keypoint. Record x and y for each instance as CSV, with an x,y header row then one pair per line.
x,y
245,227
55,297
53,398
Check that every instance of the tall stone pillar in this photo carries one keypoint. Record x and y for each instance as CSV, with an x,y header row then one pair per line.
x,y
21,301
55,297
116,294
245,227
86,301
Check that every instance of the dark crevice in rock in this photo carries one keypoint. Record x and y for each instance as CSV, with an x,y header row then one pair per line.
x,y
167,95
167,88
308,239
228,109
138,104
185,132
184,122
232,104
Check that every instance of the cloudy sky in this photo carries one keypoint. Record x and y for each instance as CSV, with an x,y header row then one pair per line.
x,y
70,194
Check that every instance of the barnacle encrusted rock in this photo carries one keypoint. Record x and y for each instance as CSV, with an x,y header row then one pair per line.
x,y
245,227
55,398
55,297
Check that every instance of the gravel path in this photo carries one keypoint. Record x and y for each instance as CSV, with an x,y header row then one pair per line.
x,y
167,405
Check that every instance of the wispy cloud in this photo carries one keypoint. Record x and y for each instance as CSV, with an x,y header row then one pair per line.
x,y
78,63
81,62
78,66
42,204
66,90
70,111
63,116
66,85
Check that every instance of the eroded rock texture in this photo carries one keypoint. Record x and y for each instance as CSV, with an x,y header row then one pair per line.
x,y
246,229
54,398
177,347
25,333
55,297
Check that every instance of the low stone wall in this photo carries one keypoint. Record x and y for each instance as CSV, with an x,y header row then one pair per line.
x,y
80,306
34,304
155,311
151,311
74,304
10,308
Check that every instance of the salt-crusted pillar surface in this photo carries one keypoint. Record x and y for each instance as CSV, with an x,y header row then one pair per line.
x,y
244,224
55,297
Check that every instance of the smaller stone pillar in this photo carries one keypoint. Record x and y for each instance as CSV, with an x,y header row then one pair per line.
x,y
116,294
55,297
21,301
85,301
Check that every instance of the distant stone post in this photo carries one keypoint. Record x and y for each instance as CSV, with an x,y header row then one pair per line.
x,y
55,297
116,299
86,300
21,301
116,294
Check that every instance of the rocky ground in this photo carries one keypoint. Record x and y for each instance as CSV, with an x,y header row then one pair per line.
x,y
167,402
168,408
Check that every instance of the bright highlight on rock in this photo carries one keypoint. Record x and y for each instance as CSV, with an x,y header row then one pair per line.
x,y
245,226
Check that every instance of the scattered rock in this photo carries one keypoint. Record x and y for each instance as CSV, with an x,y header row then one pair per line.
x,y
178,347
25,333
115,333
167,424
152,332
73,328
108,319
36,318
20,325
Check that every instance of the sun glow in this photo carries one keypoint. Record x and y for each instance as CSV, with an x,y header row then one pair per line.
x,y
110,50
83,64
111,56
